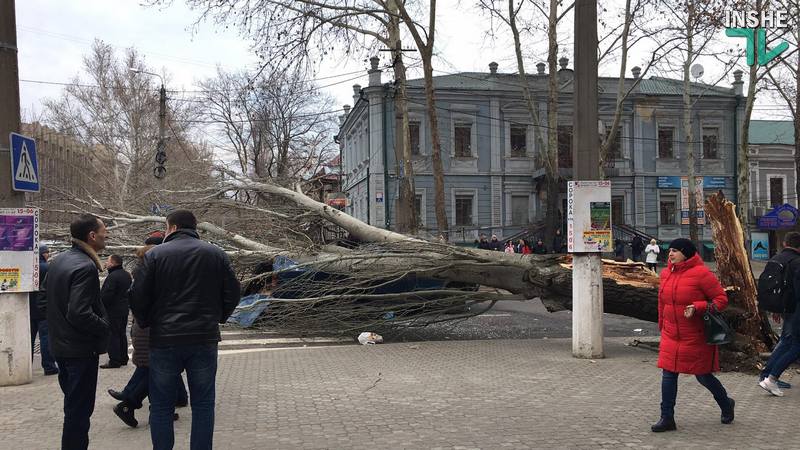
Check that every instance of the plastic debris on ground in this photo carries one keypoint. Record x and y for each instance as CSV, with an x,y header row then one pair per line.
x,y
249,309
367,338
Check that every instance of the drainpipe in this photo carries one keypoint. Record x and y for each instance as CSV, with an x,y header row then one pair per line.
x,y
387,221
736,155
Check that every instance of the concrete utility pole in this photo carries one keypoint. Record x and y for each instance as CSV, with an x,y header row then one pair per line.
x,y
15,322
587,272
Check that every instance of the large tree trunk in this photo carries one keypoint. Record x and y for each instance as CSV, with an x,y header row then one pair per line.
x,y
406,214
436,153
743,160
689,132
552,219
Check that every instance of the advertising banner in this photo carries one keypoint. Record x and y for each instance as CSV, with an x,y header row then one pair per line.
x,y
589,216
698,197
759,246
19,249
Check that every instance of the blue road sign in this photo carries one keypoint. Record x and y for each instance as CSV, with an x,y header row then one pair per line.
x,y
24,164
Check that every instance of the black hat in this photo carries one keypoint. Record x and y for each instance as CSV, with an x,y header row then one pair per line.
x,y
685,246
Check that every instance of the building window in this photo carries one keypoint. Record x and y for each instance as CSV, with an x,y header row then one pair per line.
x,y
463,210
518,140
775,192
463,139
565,146
666,136
710,140
418,212
669,209
413,137
519,210
615,146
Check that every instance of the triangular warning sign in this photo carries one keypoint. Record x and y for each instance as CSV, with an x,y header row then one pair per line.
x,y
25,170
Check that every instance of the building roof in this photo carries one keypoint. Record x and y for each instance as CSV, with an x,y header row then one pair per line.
x,y
771,132
668,86
505,81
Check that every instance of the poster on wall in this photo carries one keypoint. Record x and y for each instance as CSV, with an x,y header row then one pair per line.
x,y
698,197
19,249
589,216
759,246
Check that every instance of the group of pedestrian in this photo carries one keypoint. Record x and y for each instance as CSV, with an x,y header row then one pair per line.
x,y
522,246
181,290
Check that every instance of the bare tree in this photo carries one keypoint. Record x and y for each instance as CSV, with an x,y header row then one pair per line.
x,y
696,22
117,110
287,31
277,124
784,77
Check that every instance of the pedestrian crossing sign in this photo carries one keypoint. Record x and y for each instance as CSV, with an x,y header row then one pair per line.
x,y
24,163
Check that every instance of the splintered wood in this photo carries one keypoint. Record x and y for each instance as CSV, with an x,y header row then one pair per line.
x,y
628,273
733,269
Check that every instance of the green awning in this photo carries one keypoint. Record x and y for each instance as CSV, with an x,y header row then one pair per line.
x,y
664,246
710,245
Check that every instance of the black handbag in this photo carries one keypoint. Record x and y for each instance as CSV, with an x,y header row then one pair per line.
x,y
717,330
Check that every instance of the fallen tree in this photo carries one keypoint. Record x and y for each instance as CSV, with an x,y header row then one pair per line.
x,y
341,287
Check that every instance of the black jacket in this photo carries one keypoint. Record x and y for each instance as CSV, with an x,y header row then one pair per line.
x,y
183,289
115,291
76,317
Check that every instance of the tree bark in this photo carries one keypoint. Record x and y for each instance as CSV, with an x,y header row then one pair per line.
x,y
687,129
436,153
406,213
552,176
743,160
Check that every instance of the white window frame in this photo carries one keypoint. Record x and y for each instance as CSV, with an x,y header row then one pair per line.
x,y
677,218
769,177
529,141
458,192
456,117
718,126
667,124
420,117
423,205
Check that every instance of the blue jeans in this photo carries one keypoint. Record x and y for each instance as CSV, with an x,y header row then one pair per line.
x,y
786,351
137,388
166,364
78,380
669,391
48,362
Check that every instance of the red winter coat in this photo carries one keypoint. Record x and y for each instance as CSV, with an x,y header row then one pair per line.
x,y
683,346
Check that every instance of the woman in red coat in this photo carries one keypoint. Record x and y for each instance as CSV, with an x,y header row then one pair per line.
x,y
686,287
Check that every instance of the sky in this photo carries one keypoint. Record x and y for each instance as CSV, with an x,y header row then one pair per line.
x,y
54,35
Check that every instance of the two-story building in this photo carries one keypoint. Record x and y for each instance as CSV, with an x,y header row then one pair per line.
x,y
494,179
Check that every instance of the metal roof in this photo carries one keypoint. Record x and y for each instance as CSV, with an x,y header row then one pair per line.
x,y
771,132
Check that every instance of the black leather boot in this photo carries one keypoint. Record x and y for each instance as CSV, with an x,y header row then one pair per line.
x,y
125,413
727,415
664,424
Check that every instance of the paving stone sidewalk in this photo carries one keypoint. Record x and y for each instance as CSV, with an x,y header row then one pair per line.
x,y
467,394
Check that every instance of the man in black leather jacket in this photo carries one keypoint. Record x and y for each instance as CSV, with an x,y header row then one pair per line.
x,y
182,290
115,299
78,325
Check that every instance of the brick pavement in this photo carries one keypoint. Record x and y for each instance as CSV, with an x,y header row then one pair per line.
x,y
468,394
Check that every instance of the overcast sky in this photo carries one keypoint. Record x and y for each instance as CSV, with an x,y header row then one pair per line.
x,y
54,35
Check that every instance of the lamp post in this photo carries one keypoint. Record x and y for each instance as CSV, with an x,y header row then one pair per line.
x,y
159,171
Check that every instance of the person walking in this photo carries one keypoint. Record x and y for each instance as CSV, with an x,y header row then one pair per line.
x,y
131,397
38,304
78,325
115,299
787,350
651,255
184,288
637,246
687,288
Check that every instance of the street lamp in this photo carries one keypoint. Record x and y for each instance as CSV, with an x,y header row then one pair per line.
x,y
159,171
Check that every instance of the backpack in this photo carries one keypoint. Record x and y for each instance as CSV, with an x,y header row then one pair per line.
x,y
775,287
